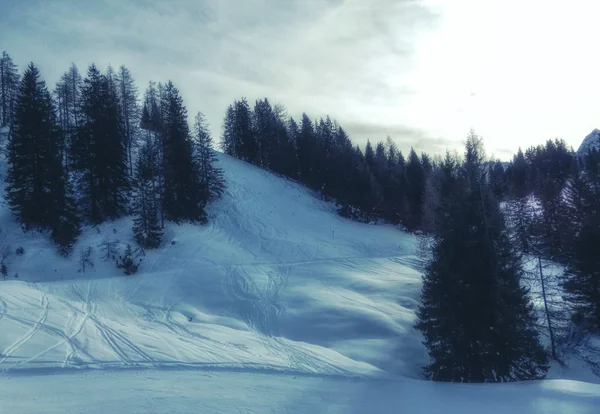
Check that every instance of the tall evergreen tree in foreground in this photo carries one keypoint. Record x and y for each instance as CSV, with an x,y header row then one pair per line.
x,y
99,151
582,271
477,320
34,154
183,198
37,189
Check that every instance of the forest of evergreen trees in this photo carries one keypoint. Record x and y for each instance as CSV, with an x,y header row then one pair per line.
x,y
493,234
90,151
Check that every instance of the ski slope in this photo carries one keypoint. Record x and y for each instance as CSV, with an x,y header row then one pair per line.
x,y
275,281
276,297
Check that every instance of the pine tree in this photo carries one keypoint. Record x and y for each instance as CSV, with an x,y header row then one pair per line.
x,y
415,180
307,148
146,227
130,111
477,320
228,142
68,99
182,188
582,273
67,227
34,155
244,138
211,176
38,189
9,86
99,151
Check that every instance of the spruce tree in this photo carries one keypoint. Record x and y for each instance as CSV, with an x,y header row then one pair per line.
x,y
9,87
582,252
182,188
99,151
68,101
34,155
211,176
38,190
130,111
228,142
146,227
415,180
476,319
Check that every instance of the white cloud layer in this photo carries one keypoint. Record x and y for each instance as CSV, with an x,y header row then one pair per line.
x,y
424,72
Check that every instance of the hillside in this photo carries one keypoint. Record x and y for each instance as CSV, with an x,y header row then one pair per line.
x,y
276,305
275,280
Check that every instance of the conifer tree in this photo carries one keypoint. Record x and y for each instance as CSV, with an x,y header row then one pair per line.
x,y
182,189
146,227
477,321
9,86
68,101
415,180
130,111
99,151
38,190
228,142
211,176
582,252
34,154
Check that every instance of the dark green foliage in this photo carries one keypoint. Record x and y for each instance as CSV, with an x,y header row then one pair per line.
x,y
415,180
477,321
146,227
38,189
128,262
9,87
99,151
211,176
183,197
582,251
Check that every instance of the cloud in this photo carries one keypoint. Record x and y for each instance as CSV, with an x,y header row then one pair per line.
x,y
406,137
345,58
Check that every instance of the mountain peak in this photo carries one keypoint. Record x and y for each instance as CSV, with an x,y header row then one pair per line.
x,y
590,142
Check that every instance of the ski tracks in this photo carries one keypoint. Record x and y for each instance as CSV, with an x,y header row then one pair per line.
x,y
261,308
30,333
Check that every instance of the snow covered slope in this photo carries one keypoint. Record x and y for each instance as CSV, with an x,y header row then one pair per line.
x,y
592,141
275,281
277,305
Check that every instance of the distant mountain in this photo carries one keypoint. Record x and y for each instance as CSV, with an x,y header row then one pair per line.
x,y
591,141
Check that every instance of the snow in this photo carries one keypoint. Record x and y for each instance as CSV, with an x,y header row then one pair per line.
x,y
592,141
220,391
276,305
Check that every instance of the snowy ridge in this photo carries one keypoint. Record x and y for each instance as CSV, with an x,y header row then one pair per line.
x,y
592,141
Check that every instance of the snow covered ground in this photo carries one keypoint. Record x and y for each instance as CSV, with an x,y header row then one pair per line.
x,y
192,391
276,305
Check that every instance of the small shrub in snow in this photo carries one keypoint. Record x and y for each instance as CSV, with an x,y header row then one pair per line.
x,y
109,249
85,259
4,270
20,251
128,263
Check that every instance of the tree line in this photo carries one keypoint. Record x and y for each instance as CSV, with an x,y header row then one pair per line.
x,y
374,183
90,151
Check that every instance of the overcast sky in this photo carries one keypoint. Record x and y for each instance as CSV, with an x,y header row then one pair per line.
x,y
424,72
